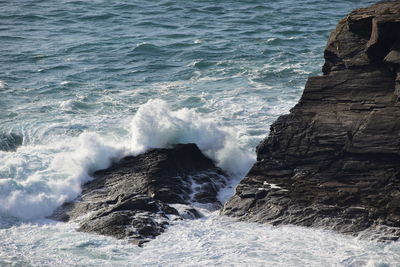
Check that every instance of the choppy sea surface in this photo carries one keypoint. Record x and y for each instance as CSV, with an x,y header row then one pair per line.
x,y
86,82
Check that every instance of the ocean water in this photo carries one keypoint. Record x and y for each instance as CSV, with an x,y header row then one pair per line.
x,y
83,83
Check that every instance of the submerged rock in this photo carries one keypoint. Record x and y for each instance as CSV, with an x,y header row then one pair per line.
x,y
136,197
334,161
10,141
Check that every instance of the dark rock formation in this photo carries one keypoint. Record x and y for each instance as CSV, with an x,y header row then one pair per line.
x,y
334,161
132,199
10,141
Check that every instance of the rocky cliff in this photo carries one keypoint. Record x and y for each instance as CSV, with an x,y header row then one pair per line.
x,y
139,196
334,161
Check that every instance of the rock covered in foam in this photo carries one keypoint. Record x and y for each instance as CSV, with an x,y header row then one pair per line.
x,y
334,161
134,197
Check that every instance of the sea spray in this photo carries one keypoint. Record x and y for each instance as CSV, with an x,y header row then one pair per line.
x,y
36,179
91,154
155,125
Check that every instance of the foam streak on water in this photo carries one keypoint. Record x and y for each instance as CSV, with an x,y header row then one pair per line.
x,y
83,83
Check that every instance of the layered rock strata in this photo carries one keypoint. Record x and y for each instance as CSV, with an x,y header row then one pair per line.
x,y
139,196
334,161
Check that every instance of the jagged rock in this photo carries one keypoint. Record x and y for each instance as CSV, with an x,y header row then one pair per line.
x,y
135,197
334,161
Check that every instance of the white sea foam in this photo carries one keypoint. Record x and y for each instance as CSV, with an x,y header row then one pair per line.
x,y
210,241
3,84
67,104
155,125
91,153
37,178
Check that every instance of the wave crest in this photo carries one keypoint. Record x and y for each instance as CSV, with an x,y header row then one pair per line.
x,y
155,125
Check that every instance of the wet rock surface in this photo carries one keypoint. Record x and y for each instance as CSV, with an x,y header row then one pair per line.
x,y
135,198
334,161
10,141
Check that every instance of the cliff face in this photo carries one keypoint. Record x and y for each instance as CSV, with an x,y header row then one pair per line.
x,y
334,161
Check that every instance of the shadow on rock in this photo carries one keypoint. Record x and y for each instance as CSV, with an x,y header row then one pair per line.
x,y
137,197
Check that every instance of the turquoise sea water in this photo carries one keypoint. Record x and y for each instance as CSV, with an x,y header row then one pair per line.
x,y
83,82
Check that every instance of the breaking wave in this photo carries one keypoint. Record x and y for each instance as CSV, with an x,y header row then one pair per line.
x,y
155,125
36,179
